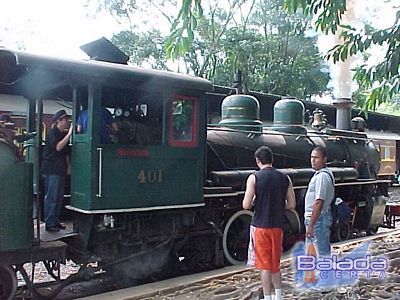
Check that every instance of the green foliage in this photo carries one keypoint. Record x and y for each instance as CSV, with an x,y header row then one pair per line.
x,y
273,53
182,30
116,8
329,12
380,82
183,112
260,38
144,49
266,44
144,46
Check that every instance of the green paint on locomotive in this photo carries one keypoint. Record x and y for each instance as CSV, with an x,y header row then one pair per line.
x,y
241,112
162,169
16,206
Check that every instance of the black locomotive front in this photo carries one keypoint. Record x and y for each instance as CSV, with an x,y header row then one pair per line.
x,y
353,158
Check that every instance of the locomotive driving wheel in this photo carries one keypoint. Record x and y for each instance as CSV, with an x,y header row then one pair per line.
x,y
8,283
340,233
372,230
235,237
291,229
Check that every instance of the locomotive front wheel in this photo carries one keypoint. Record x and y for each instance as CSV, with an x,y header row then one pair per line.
x,y
235,238
291,229
8,283
372,230
341,233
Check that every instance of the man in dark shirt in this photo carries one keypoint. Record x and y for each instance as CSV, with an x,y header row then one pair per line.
x,y
55,166
269,192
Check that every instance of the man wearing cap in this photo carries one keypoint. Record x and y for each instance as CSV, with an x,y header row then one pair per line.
x,y
7,129
55,166
7,134
6,118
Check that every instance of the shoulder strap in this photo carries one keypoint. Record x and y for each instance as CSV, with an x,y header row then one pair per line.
x,y
331,177
333,184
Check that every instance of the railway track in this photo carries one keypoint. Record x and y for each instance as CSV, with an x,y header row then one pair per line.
x,y
241,282
237,279
232,282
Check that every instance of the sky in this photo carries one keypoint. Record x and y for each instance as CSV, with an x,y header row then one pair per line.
x,y
60,27
51,27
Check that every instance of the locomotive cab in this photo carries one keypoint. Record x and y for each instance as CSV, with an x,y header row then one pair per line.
x,y
161,138
158,145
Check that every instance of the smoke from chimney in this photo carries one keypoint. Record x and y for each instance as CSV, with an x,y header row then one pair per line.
x,y
340,72
342,86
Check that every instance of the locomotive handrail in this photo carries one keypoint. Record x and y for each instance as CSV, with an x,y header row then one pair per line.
x,y
357,182
228,194
133,209
296,187
100,151
307,135
362,182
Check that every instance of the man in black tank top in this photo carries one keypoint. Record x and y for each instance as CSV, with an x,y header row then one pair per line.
x,y
269,192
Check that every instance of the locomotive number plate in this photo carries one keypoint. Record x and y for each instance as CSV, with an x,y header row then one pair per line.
x,y
150,176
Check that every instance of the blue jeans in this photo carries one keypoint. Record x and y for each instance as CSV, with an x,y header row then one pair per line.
x,y
322,232
53,200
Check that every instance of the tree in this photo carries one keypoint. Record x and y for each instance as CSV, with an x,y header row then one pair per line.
x,y
206,52
292,58
138,39
269,46
144,49
273,52
264,42
381,81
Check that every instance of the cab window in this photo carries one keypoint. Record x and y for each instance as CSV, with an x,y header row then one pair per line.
x,y
183,125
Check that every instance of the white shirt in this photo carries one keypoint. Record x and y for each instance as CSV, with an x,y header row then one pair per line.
x,y
320,187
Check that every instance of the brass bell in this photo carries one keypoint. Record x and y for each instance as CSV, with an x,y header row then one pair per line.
x,y
317,122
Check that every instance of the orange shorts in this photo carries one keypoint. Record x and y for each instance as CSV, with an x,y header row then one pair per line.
x,y
265,248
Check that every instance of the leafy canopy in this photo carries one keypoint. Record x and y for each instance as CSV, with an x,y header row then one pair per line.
x,y
270,47
381,82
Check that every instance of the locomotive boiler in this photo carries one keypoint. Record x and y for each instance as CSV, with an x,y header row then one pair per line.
x,y
166,194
